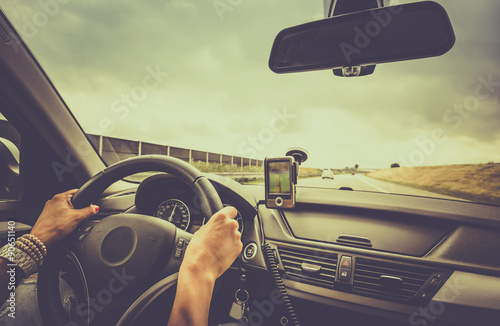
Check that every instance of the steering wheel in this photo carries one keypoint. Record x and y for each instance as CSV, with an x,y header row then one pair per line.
x,y
124,260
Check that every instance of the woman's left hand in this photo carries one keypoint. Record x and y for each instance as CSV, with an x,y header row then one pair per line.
x,y
59,218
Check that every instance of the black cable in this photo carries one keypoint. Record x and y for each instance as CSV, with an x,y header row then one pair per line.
x,y
273,269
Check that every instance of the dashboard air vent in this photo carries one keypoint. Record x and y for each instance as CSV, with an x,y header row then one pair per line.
x,y
388,280
309,266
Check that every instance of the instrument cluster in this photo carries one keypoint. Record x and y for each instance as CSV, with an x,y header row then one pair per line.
x,y
177,212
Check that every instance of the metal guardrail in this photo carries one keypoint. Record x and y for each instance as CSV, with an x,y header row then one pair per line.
x,y
113,150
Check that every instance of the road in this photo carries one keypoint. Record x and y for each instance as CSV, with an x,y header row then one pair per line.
x,y
361,182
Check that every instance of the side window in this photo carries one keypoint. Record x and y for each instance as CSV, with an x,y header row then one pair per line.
x,y
9,160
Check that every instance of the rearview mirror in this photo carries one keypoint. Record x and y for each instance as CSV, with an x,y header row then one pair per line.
x,y
388,34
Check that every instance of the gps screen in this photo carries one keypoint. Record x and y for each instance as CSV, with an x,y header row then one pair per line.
x,y
279,177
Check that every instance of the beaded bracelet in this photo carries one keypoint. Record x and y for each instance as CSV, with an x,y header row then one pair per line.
x,y
27,250
35,256
33,246
36,242
28,246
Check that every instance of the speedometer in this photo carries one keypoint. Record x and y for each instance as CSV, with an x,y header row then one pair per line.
x,y
175,212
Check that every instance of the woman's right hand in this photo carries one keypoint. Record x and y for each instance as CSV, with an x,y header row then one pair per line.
x,y
215,246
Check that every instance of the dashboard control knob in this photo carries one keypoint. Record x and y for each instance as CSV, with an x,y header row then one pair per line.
x,y
250,251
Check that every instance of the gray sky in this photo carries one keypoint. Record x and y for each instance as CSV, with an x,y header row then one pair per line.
x,y
195,74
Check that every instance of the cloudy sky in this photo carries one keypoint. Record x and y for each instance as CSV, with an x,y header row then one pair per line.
x,y
194,73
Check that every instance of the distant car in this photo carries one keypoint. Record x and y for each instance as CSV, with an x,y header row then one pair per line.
x,y
352,173
327,174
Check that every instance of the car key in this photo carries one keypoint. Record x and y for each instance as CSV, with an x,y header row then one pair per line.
x,y
237,310
239,307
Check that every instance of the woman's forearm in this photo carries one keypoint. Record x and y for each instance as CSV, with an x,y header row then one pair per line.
x,y
211,251
192,300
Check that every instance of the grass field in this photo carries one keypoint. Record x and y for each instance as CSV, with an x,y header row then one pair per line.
x,y
475,182
308,172
218,168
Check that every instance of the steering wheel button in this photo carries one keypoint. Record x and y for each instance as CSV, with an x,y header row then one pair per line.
x,y
180,243
178,253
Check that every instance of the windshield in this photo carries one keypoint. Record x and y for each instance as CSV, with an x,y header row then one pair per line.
x,y
191,79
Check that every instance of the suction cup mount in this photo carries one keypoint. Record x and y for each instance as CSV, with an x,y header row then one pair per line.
x,y
299,154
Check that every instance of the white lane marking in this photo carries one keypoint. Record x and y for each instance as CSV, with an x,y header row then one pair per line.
x,y
370,184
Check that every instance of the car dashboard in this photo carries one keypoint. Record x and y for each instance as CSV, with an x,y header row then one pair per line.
x,y
171,199
402,258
